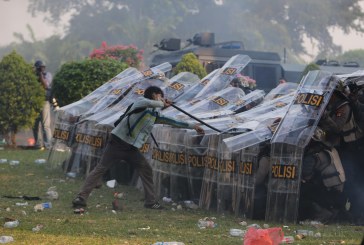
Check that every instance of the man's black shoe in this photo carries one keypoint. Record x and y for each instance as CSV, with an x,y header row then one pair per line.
x,y
156,206
79,202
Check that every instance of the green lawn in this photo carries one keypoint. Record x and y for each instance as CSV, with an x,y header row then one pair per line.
x,y
99,225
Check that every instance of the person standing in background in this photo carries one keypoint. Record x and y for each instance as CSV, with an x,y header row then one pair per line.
x,y
43,137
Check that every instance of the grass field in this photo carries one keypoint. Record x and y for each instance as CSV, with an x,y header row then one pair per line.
x,y
133,225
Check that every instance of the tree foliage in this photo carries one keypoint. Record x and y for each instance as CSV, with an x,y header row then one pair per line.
x,y
21,95
77,79
190,63
261,24
310,67
138,22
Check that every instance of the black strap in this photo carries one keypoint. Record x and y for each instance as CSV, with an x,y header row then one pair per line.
x,y
116,123
154,140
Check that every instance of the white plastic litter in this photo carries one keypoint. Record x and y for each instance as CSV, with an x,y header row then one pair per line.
x,y
111,183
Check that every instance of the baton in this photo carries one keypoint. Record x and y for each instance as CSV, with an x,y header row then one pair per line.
x,y
199,120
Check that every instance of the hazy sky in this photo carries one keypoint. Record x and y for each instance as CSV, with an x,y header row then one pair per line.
x,y
14,18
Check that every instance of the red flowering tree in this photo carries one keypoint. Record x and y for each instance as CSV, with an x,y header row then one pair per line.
x,y
128,54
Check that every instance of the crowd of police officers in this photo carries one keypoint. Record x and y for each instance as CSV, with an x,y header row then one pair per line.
x,y
333,167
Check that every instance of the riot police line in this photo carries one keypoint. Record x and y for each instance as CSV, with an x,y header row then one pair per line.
x,y
282,157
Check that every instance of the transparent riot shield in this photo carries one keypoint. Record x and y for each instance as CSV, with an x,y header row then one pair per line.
x,y
110,114
238,105
195,155
281,90
256,131
219,101
60,151
246,145
175,87
251,118
246,166
104,120
208,195
119,90
84,154
88,142
83,105
179,84
212,83
170,160
230,69
227,179
68,116
99,123
191,93
160,161
288,143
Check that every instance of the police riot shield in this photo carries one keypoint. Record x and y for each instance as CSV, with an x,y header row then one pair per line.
x,y
179,84
99,123
289,140
281,90
119,90
195,155
227,178
230,69
208,197
219,101
86,150
246,165
68,116
265,107
109,115
253,134
169,162
83,105
356,74
227,102
236,122
161,169
83,154
191,93
174,87
256,130
239,104
213,83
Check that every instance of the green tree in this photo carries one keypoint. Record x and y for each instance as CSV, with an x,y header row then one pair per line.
x,y
21,96
190,63
262,25
279,24
310,67
138,22
77,79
